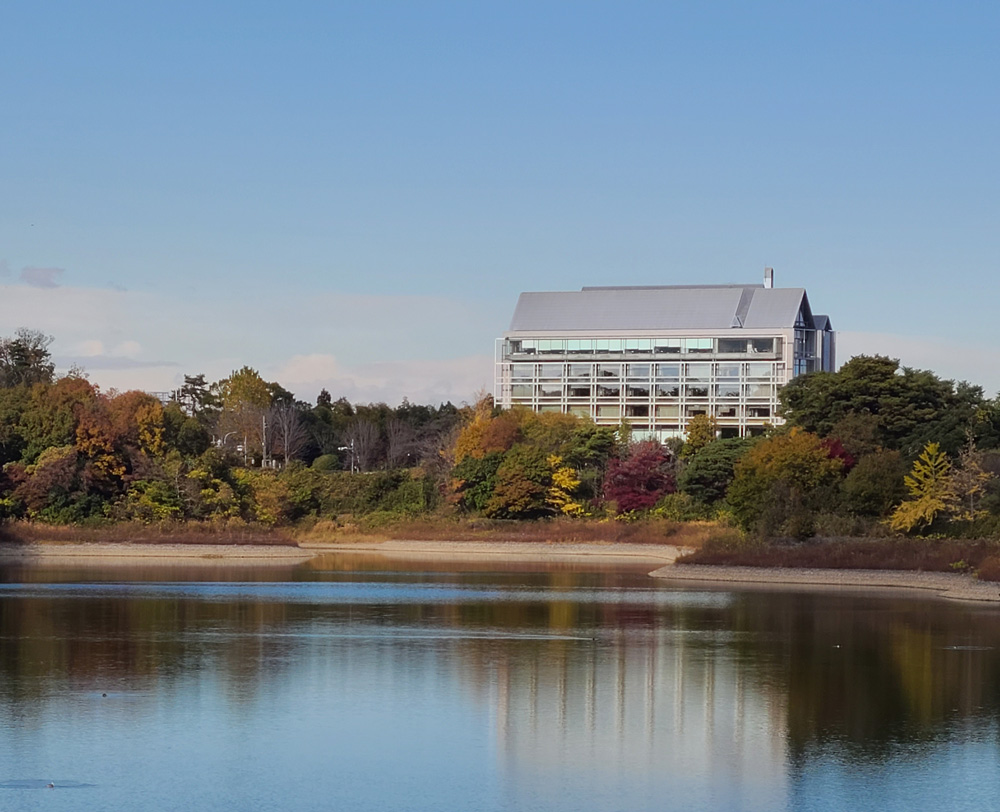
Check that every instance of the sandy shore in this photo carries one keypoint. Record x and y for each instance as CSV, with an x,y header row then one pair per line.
x,y
954,586
660,557
452,551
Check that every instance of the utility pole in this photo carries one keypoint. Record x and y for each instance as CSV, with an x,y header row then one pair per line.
x,y
263,441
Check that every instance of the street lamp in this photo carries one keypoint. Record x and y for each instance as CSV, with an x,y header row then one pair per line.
x,y
348,448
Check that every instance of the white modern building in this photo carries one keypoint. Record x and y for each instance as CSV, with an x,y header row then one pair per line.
x,y
658,356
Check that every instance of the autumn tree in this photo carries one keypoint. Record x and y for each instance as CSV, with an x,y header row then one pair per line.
x,y
930,488
638,480
701,430
523,480
245,398
777,479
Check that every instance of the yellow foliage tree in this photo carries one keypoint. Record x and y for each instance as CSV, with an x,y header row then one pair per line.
x,y
931,491
564,484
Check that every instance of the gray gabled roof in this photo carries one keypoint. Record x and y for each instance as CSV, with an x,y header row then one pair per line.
x,y
689,307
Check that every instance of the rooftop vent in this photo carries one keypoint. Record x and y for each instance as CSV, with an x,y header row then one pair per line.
x,y
769,278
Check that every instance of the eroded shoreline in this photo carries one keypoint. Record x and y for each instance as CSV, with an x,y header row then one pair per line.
x,y
661,557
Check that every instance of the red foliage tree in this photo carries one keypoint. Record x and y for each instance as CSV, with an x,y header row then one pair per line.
x,y
637,481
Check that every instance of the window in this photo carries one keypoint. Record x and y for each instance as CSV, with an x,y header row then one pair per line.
x,y
762,345
668,390
732,345
606,390
637,345
638,370
668,411
634,390
727,390
579,411
548,390
759,390
522,371
609,411
696,391
698,372
550,370
667,346
668,371
521,390
727,411
727,371
758,411
578,391
759,370
695,345
580,370
637,411
609,370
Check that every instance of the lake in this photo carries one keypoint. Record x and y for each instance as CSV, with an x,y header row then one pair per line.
x,y
350,683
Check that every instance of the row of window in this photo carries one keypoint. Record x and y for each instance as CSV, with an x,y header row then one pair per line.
x,y
631,346
663,413
699,371
736,390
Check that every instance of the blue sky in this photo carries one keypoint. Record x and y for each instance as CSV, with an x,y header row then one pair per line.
x,y
352,195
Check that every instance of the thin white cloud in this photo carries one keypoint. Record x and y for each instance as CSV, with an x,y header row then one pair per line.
x,y
41,277
959,361
367,348
425,381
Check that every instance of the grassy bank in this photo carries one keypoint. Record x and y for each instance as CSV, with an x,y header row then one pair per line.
x,y
977,556
230,533
554,531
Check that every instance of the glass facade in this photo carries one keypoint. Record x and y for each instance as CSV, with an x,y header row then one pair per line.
x,y
659,383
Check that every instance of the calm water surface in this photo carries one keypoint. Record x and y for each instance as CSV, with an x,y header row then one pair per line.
x,y
347,685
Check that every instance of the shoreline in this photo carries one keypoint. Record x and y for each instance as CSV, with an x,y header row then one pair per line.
x,y
951,586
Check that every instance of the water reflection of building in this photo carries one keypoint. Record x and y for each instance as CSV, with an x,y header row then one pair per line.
x,y
669,704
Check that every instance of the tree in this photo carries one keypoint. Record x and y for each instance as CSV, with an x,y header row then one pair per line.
x,y
288,431
707,474
875,484
637,481
245,398
969,484
911,407
399,437
776,479
702,430
930,487
522,485
362,438
565,484
25,359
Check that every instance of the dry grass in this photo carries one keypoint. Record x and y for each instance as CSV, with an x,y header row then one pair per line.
x,y
927,555
228,533
555,531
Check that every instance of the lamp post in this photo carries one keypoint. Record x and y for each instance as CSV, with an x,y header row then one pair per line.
x,y
348,448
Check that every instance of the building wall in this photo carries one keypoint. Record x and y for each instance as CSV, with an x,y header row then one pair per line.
x,y
658,382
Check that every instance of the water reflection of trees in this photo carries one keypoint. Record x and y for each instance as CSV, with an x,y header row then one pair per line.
x,y
754,670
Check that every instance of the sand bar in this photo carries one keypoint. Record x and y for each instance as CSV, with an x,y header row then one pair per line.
x,y
955,586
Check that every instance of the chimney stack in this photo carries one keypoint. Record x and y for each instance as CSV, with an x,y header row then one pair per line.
x,y
769,278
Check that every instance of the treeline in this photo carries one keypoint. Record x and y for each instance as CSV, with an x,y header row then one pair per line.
x,y
871,449
237,449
